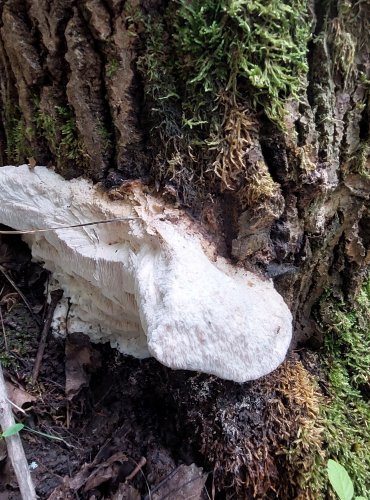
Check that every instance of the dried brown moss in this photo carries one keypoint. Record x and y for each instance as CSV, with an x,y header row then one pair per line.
x,y
262,440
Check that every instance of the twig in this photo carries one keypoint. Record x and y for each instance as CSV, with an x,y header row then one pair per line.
x,y
83,224
16,407
28,305
137,469
4,332
56,295
14,446
2,324
140,469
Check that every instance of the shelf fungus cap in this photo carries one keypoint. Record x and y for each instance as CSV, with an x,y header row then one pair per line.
x,y
149,283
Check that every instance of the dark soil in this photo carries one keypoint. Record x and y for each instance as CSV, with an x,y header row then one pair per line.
x,y
90,402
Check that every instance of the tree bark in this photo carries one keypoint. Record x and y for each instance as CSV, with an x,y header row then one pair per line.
x,y
72,97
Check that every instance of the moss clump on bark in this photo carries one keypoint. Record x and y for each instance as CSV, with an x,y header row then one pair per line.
x,y
342,393
17,134
61,134
273,438
206,62
57,130
346,363
349,34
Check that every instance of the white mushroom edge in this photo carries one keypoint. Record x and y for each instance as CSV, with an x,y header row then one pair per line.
x,y
150,285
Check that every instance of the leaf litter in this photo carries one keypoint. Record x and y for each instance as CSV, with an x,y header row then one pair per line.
x,y
92,427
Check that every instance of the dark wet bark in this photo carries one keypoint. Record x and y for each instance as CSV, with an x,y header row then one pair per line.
x,y
77,56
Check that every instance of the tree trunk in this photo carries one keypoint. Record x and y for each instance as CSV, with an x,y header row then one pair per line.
x,y
285,190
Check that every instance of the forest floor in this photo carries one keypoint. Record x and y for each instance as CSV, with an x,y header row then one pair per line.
x,y
98,424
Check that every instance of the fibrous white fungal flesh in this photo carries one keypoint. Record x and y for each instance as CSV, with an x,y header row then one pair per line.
x,y
149,285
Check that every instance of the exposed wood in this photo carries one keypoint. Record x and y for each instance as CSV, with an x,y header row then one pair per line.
x,y
14,446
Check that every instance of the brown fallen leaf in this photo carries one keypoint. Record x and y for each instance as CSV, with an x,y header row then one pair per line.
x,y
18,396
89,476
105,471
184,483
81,360
126,492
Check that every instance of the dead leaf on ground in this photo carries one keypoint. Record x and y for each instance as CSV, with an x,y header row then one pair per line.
x,y
90,476
18,396
106,471
126,492
9,300
81,360
184,483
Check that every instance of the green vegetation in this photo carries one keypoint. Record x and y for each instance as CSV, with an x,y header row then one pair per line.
x,y
17,134
346,361
10,431
112,68
332,420
242,47
47,125
254,51
106,136
61,134
70,146
348,33
340,481
362,159
208,66
58,128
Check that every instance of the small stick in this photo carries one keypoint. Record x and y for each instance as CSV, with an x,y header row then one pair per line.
x,y
27,304
14,446
83,224
2,324
137,469
4,332
56,295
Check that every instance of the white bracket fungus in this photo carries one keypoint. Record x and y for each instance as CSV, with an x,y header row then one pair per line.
x,y
150,285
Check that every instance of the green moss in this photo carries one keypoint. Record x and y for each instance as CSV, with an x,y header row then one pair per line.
x,y
58,129
348,34
207,62
361,164
337,425
61,134
70,145
112,68
106,137
346,361
47,125
255,51
18,136
243,47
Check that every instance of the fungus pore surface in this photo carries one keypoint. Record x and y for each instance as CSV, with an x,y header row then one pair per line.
x,y
150,283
